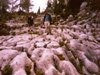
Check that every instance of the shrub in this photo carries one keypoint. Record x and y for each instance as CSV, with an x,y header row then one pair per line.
x,y
61,43
7,70
61,57
4,31
28,69
39,72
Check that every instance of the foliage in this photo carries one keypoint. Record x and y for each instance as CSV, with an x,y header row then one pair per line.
x,y
37,70
7,70
25,4
4,29
28,69
4,32
4,4
94,4
61,57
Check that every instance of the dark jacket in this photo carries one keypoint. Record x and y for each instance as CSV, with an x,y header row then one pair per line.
x,y
30,21
47,17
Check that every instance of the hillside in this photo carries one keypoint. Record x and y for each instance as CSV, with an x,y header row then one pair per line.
x,y
67,47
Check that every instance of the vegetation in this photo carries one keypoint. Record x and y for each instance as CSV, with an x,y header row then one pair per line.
x,y
28,69
37,70
7,70
4,29
61,57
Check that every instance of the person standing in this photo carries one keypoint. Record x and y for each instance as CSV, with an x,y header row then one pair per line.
x,y
47,21
30,21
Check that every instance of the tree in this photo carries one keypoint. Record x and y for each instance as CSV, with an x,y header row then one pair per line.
x,y
25,5
13,5
3,5
66,7
94,4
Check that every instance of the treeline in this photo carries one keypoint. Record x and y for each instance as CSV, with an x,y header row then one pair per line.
x,y
8,8
67,7
12,5
58,7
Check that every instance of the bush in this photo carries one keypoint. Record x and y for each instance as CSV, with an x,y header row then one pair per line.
x,y
94,4
4,31
7,70
61,57
28,69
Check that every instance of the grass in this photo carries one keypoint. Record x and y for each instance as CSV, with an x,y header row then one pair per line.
x,y
61,43
7,70
61,57
37,70
4,31
28,69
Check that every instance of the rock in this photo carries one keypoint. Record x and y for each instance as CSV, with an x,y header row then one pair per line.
x,y
40,44
53,71
37,53
60,52
83,36
70,18
74,44
85,71
20,72
0,73
6,56
83,5
44,63
53,44
68,68
90,66
19,62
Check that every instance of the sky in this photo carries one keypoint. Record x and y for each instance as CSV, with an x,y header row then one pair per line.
x,y
42,4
